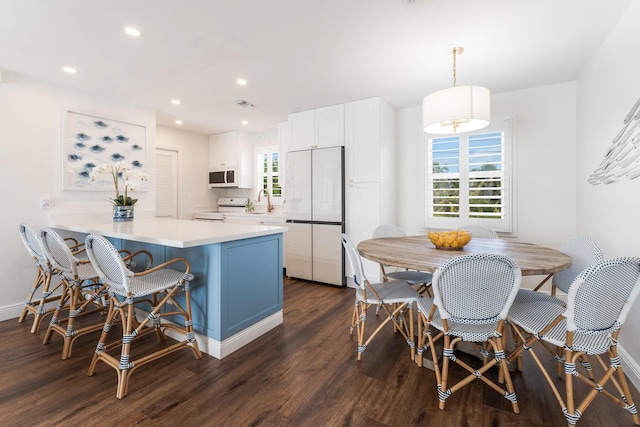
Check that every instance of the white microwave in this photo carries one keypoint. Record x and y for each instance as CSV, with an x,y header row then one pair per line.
x,y
223,177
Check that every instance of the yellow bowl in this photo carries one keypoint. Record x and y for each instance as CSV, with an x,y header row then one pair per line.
x,y
453,240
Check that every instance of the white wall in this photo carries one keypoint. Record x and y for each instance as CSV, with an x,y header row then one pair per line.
x,y
31,166
194,153
607,89
545,166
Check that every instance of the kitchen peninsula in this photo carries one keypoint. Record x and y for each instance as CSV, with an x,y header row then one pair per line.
x,y
236,294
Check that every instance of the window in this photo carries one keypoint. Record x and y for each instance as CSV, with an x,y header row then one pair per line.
x,y
468,179
268,172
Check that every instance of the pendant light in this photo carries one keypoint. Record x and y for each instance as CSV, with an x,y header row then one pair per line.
x,y
457,109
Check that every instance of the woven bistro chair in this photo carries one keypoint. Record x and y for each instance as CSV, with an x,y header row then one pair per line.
x,y
472,296
480,231
599,300
421,279
584,253
42,306
399,295
159,286
81,293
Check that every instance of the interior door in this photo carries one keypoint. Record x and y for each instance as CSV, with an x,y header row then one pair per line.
x,y
166,183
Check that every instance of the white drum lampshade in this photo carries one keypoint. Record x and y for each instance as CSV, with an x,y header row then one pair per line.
x,y
456,110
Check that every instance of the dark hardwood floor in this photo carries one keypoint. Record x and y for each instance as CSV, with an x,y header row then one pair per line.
x,y
302,373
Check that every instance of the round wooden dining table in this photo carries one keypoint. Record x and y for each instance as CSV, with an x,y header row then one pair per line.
x,y
418,253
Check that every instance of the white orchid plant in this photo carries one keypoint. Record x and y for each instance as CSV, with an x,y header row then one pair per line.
x,y
120,170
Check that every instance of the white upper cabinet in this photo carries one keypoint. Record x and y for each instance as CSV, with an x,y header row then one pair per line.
x,y
319,128
363,140
233,149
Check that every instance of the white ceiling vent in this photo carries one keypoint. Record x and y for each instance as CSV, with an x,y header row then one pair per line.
x,y
243,103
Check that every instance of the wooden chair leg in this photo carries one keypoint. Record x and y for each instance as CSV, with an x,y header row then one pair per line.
x,y
443,393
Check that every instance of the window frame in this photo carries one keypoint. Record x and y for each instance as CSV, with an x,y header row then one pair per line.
x,y
259,174
504,225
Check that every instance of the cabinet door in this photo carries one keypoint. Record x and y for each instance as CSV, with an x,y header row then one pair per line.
x,y
329,126
327,254
299,251
363,216
223,150
363,140
301,128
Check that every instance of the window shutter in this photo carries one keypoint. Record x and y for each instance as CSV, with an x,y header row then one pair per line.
x,y
468,179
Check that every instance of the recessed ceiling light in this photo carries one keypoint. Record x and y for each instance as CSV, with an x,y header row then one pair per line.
x,y
244,122
178,122
134,32
175,101
70,70
241,82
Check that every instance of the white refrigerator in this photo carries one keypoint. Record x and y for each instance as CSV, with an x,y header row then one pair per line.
x,y
315,215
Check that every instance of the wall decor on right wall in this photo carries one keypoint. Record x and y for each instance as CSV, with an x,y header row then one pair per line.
x,y
622,160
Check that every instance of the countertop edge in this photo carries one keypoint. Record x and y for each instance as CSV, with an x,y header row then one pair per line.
x,y
213,233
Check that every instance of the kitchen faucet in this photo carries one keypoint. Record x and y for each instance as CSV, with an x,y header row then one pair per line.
x,y
269,205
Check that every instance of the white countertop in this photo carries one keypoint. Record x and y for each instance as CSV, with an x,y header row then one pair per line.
x,y
244,214
169,232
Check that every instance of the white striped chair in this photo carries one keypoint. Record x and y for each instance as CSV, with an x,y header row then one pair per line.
x,y
472,296
421,279
42,282
480,231
599,300
81,293
397,294
584,253
159,286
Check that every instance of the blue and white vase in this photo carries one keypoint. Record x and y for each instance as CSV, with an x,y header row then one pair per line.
x,y
122,213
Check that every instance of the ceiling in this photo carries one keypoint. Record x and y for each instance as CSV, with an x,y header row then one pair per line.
x,y
295,54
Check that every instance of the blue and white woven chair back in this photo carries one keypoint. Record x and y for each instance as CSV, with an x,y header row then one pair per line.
x,y
107,262
388,231
58,252
476,288
354,259
584,253
601,296
480,232
31,241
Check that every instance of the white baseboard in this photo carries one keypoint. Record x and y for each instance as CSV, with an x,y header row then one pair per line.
x,y
11,311
630,366
221,349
